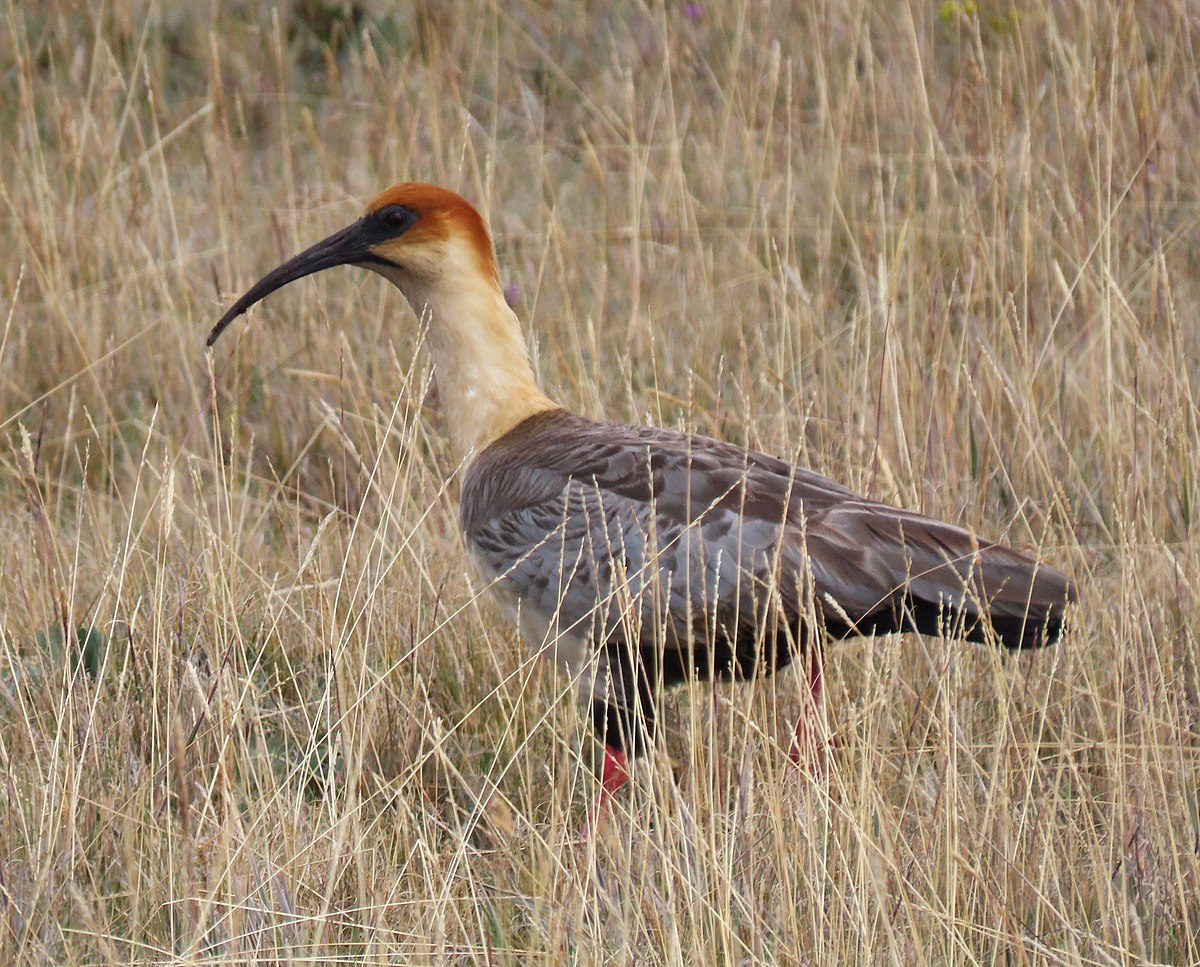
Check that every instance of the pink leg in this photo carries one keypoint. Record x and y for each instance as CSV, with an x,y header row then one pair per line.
x,y
808,745
614,773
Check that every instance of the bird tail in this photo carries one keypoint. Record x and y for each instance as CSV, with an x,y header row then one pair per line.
x,y
999,595
891,570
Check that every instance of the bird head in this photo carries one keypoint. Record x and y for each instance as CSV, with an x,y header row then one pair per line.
x,y
413,234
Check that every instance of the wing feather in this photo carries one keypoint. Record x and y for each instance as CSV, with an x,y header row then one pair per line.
x,y
664,540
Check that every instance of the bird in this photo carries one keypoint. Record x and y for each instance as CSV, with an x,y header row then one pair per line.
x,y
637,557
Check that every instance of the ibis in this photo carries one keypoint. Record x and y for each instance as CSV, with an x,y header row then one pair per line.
x,y
638,557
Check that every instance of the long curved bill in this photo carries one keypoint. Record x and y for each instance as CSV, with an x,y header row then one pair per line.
x,y
351,244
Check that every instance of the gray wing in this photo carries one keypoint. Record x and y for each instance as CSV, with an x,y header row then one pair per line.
x,y
592,562
666,541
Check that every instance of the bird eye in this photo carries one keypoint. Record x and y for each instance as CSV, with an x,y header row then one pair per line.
x,y
396,218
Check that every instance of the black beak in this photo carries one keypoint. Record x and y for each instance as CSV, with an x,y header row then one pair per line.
x,y
351,244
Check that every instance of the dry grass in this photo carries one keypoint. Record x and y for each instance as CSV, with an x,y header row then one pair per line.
x,y
947,256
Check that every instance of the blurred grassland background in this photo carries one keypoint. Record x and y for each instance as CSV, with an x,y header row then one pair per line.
x,y
254,706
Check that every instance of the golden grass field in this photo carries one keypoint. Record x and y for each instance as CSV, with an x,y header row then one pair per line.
x,y
255,705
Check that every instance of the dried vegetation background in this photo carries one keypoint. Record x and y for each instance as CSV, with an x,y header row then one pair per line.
x,y
253,705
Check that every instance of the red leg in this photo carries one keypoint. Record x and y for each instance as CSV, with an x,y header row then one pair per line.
x,y
808,744
614,773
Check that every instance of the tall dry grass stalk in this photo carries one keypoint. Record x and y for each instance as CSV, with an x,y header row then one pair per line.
x,y
254,705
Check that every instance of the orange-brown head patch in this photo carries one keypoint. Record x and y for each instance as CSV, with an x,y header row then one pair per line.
x,y
441,215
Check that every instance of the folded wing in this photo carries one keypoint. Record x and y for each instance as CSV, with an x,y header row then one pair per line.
x,y
722,559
